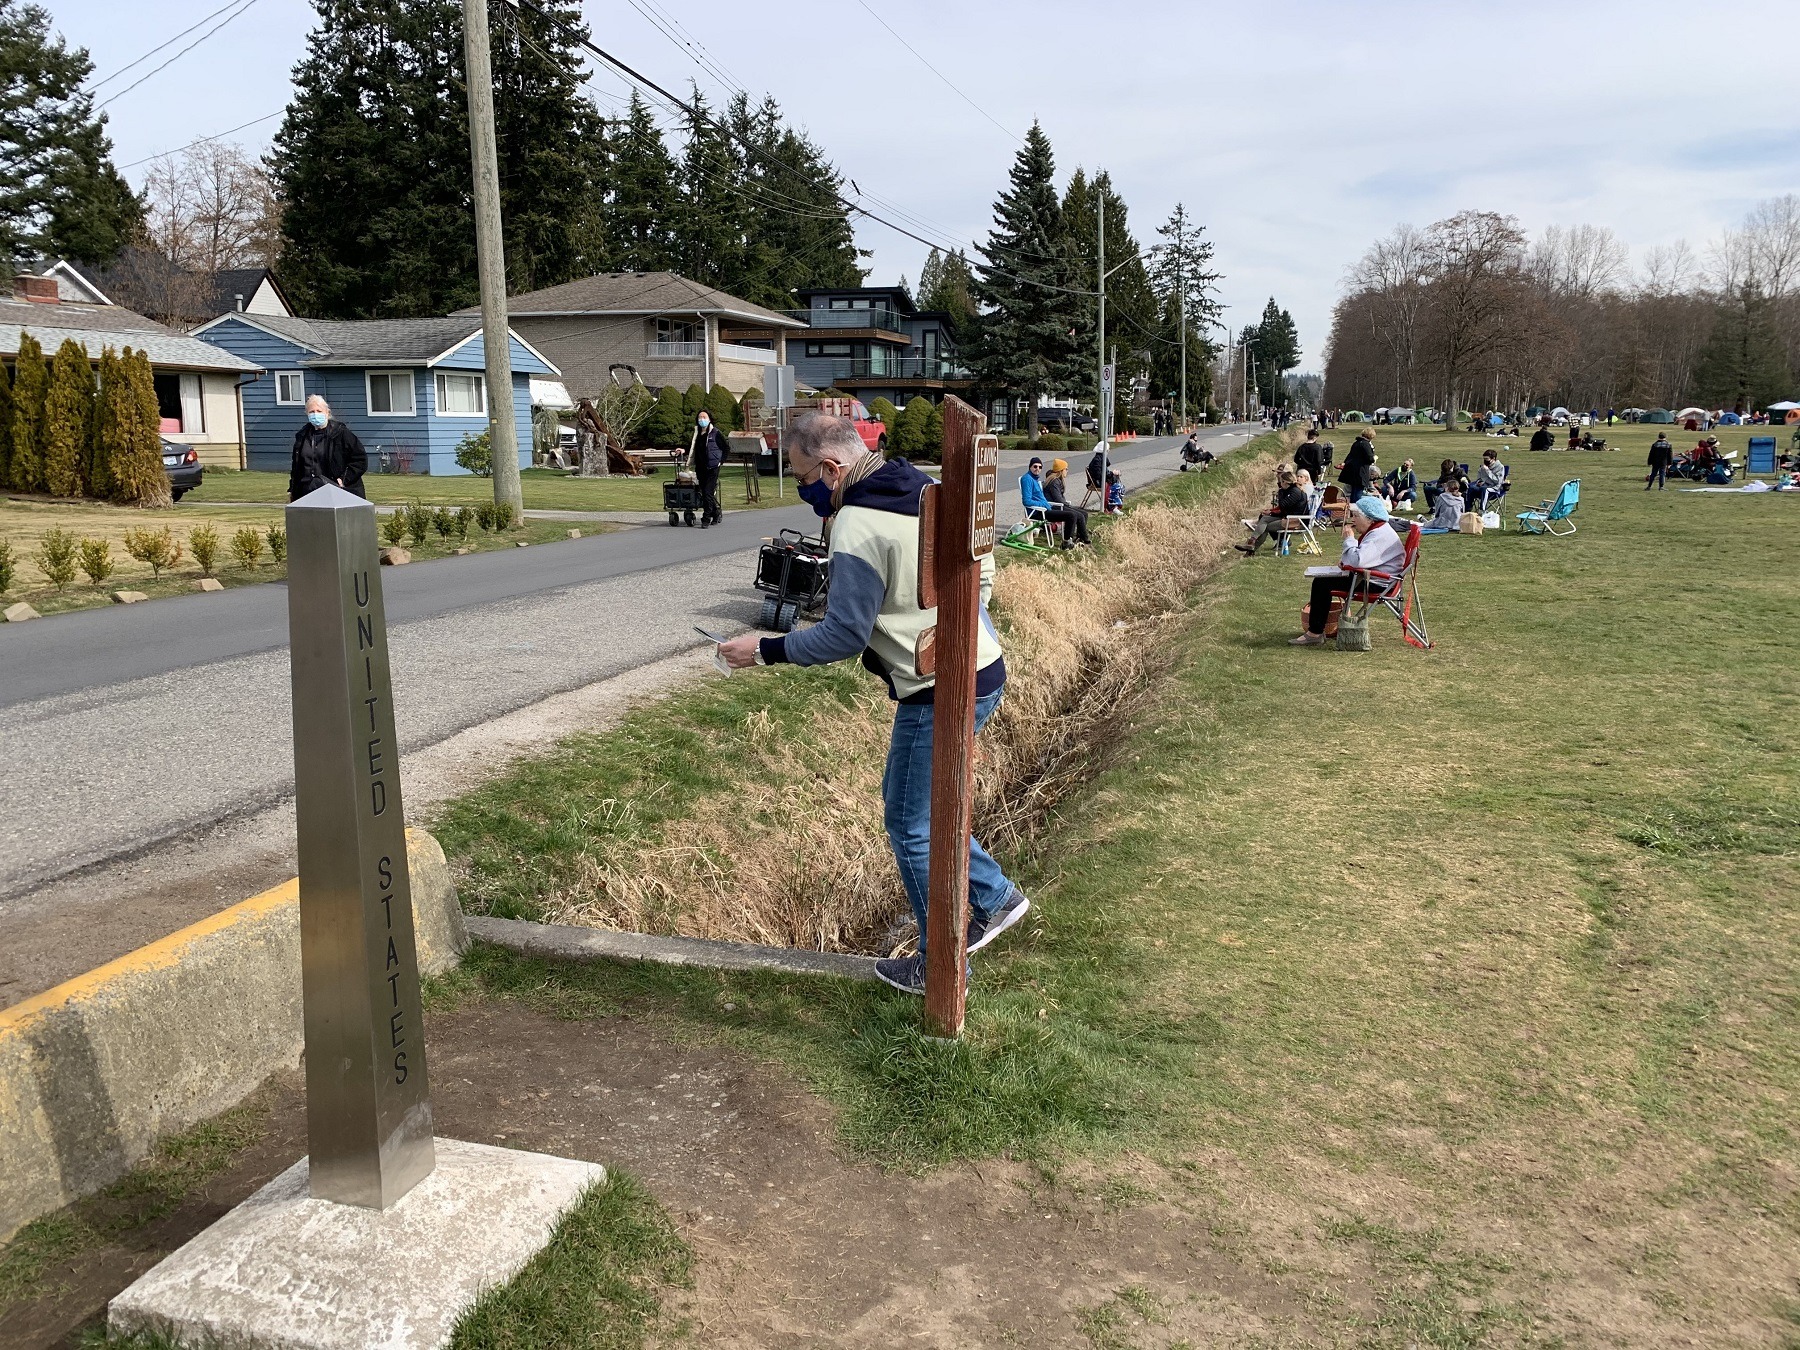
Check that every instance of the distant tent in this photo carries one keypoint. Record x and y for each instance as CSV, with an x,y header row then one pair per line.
x,y
1536,410
1690,412
1730,419
1354,417
1662,415
1790,408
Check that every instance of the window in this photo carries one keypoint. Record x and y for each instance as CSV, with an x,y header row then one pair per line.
x,y
290,388
680,330
461,394
179,406
828,349
390,392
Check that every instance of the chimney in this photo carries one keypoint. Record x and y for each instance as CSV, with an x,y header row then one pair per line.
x,y
240,303
39,290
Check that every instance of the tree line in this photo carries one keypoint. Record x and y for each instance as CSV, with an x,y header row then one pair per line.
x,y
1471,313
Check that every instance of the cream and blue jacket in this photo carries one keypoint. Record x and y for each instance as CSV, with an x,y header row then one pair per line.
x,y
873,608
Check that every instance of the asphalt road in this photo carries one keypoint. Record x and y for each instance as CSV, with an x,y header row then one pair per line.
x,y
126,728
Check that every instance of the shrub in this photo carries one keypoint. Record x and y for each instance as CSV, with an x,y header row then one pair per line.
x,y
418,523
934,432
443,522
68,420
134,460
666,424
156,549
1080,445
30,388
884,412
474,453
484,516
692,401
907,439
723,406
203,540
1049,443
277,538
393,528
503,516
96,559
247,547
56,556
464,518
8,566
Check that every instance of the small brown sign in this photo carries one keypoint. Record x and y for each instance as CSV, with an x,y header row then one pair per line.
x,y
928,522
983,524
925,653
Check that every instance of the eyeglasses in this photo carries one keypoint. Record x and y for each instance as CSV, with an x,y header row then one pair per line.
x,y
811,476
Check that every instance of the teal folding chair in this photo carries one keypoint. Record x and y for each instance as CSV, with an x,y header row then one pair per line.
x,y
1546,516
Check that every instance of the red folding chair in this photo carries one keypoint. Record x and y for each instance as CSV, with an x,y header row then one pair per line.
x,y
1396,592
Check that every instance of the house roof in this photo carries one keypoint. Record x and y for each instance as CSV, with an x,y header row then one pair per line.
x,y
372,342
99,326
900,293
646,293
142,279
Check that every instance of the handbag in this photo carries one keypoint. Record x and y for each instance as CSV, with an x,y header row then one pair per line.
x,y
1468,523
1353,632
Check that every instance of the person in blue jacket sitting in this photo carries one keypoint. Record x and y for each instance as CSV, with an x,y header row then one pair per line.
x,y
1040,507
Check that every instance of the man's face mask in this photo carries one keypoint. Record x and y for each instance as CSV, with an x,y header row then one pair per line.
x,y
318,419
817,494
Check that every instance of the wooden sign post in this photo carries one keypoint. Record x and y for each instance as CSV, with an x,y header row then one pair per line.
x,y
951,578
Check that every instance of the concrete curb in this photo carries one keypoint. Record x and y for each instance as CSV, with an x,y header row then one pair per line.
x,y
96,1070
566,942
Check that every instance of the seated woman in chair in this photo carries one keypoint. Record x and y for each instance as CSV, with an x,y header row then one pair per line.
x,y
1370,544
1289,500
1056,488
1040,507
1490,478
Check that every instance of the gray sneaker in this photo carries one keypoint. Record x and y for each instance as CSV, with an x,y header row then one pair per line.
x,y
984,930
907,973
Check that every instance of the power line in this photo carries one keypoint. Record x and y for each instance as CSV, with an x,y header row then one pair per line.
x,y
236,13
202,140
644,82
94,87
940,74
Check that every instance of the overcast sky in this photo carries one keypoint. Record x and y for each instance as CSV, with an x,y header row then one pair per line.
x,y
1296,132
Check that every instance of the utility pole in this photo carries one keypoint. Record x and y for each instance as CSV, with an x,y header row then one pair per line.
x,y
490,257
1102,412
1181,287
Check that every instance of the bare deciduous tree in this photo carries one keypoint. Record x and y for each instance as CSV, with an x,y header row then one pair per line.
x,y
1579,262
210,208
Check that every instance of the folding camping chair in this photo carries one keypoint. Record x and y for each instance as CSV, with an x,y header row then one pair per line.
x,y
1033,534
1396,592
1544,518
1297,536
1332,507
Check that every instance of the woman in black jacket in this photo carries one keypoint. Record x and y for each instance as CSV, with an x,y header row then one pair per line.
x,y
1355,473
325,451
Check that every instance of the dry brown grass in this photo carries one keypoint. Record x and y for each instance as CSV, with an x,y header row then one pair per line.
x,y
783,855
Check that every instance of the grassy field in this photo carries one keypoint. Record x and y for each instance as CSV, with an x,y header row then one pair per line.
x,y
1629,442
25,520
1464,977
1479,960
545,490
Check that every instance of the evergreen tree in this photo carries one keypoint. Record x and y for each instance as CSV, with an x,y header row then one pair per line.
x,y
1742,366
1131,309
1181,267
68,419
907,439
31,386
947,285
105,433
666,425
722,405
1274,343
372,159
797,232
709,222
134,463
60,195
641,213
6,427
934,433
1027,335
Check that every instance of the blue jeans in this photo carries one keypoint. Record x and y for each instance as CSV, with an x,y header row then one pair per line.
x,y
906,796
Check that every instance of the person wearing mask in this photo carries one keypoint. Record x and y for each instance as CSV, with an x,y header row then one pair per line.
x,y
1490,478
873,612
326,451
1371,545
1074,520
1289,500
1355,473
710,449
1662,454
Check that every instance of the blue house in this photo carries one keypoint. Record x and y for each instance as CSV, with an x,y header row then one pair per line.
x,y
410,389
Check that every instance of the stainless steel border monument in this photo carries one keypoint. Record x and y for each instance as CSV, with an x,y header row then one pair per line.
x,y
368,1098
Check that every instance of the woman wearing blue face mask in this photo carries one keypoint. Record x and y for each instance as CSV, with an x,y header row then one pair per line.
x,y
325,451
709,457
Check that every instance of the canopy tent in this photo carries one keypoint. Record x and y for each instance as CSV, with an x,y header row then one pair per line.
x,y
1662,415
1786,405
1632,412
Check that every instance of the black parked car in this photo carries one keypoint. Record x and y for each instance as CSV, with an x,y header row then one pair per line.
x,y
182,464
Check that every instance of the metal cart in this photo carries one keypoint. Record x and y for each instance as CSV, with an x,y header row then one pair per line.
x,y
793,573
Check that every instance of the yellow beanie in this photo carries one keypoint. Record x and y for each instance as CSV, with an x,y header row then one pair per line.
x,y
1059,466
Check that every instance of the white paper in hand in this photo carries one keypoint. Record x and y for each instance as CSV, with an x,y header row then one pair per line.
x,y
1326,572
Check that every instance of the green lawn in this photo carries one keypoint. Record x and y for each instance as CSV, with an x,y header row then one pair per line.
x,y
1482,958
545,490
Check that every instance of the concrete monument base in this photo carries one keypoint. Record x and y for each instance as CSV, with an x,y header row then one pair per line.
x,y
288,1272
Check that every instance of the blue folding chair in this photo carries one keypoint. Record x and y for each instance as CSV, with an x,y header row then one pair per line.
x,y
1762,455
1546,516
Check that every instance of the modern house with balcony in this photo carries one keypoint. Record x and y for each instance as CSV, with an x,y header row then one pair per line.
x,y
873,342
665,328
